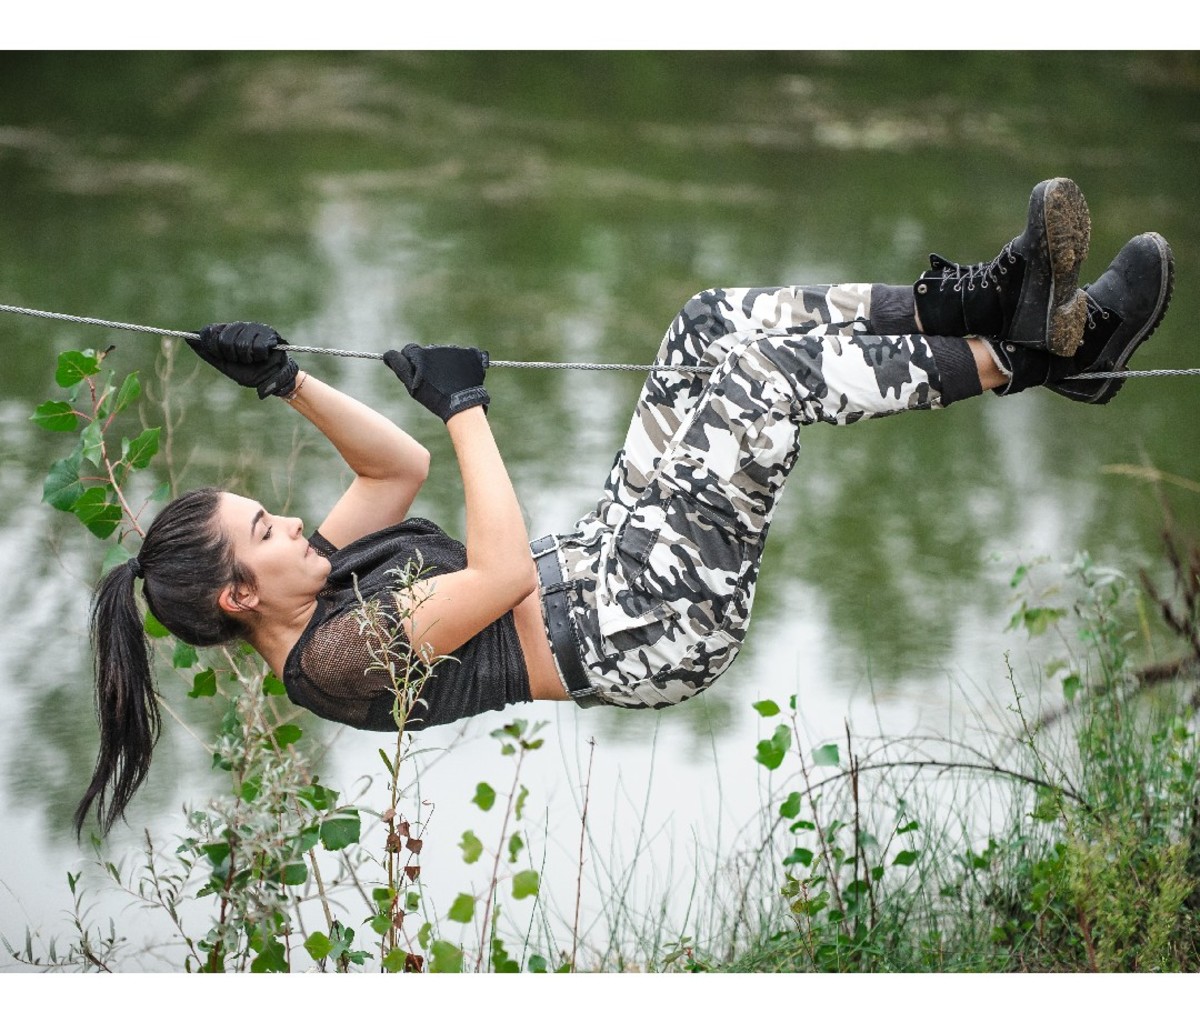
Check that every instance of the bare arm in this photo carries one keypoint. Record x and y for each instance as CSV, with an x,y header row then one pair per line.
x,y
389,466
448,610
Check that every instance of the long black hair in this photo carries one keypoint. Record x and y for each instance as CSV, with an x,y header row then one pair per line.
x,y
184,563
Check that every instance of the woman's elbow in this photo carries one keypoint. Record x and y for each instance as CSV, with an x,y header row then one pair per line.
x,y
418,464
520,582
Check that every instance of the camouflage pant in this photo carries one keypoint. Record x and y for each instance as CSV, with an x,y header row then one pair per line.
x,y
663,571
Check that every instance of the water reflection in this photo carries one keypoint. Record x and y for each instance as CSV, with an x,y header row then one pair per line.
x,y
562,207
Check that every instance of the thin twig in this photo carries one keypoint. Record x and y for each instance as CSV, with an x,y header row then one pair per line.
x,y
587,790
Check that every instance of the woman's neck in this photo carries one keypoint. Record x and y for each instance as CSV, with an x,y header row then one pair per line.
x,y
274,638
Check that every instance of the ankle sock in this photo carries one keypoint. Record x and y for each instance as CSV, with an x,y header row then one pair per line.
x,y
893,310
956,366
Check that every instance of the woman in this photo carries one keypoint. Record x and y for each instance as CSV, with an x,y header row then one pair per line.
x,y
647,599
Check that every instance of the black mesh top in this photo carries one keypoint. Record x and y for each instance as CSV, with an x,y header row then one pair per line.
x,y
329,671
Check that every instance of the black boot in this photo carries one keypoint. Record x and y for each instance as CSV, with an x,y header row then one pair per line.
x,y
1027,294
1125,306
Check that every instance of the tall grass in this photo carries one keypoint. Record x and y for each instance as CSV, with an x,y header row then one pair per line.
x,y
1071,846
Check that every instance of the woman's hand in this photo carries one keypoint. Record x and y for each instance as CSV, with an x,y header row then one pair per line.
x,y
445,379
250,354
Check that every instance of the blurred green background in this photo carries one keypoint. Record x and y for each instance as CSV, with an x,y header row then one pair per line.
x,y
563,205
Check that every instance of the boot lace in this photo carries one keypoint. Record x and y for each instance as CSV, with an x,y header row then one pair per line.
x,y
1095,311
983,274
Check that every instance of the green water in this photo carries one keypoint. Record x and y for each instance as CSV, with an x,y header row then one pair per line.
x,y
562,206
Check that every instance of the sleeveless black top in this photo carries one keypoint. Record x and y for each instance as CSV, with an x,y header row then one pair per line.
x,y
333,668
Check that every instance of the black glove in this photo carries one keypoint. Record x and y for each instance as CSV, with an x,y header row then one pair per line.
x,y
445,379
249,354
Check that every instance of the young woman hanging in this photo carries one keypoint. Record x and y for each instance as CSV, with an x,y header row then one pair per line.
x,y
645,600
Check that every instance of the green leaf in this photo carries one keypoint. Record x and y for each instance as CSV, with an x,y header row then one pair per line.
x,y
463,909
91,440
131,389
525,884
905,858
826,755
471,845
445,957
287,734
96,512
104,396
185,656
154,627
56,416
115,556
204,684
272,959
294,873
341,831
1071,685
766,708
485,796
62,487
143,447
1049,805
790,808
772,750
799,855
395,960
515,844
318,946
1036,620
522,798
74,366
272,686
910,826
309,836
537,963
216,852
318,796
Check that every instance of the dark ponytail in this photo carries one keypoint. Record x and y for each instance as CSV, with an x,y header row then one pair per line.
x,y
184,563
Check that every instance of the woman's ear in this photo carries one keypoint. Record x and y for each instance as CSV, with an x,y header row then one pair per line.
x,y
237,599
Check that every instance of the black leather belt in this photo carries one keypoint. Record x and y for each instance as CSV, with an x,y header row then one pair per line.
x,y
556,605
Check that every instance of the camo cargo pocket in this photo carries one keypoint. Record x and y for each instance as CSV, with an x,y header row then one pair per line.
x,y
671,578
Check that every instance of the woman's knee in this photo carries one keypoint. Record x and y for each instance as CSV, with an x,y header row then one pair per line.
x,y
704,314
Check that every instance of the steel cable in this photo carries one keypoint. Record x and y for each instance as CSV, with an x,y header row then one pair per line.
x,y
497,363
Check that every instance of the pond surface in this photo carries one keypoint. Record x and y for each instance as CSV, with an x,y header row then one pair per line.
x,y
562,206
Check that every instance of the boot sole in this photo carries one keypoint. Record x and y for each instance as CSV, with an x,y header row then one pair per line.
x,y
1166,289
1068,226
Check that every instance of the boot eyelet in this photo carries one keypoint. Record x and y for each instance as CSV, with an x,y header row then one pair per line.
x,y
1010,347
922,289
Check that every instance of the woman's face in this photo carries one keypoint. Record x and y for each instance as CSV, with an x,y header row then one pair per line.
x,y
274,549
